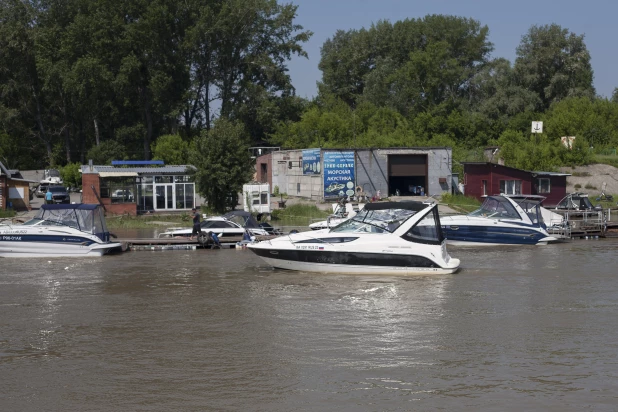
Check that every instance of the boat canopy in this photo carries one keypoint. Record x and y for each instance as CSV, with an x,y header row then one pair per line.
x,y
84,217
497,207
244,219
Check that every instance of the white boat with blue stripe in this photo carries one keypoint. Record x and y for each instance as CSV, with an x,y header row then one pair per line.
x,y
500,220
57,231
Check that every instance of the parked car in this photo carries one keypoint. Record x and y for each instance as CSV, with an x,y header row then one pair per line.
x,y
59,194
124,195
41,190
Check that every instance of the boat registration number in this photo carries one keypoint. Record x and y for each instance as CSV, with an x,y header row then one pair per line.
x,y
4,237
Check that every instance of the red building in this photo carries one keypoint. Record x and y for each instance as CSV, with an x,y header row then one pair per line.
x,y
484,179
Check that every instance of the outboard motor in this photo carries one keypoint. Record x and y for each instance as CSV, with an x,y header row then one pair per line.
x,y
209,239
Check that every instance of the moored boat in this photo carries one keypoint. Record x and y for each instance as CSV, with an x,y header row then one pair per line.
x,y
58,230
499,221
383,238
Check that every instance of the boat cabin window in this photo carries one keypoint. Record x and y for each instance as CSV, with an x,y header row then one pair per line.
x,y
427,230
496,208
532,209
342,239
375,221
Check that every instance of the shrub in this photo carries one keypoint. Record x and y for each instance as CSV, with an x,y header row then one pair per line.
x,y
590,186
577,186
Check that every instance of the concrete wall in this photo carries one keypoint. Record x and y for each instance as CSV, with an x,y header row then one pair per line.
x,y
291,180
372,169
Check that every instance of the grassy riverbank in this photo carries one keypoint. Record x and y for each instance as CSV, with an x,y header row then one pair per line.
x,y
7,213
147,221
298,215
461,203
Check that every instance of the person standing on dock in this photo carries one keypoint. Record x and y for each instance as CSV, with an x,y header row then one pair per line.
x,y
195,215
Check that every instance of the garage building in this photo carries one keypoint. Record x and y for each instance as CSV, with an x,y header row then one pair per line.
x,y
321,174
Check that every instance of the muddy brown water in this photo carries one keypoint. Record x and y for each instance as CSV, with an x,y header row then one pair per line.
x,y
519,328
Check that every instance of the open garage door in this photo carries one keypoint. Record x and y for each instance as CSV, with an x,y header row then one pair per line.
x,y
407,174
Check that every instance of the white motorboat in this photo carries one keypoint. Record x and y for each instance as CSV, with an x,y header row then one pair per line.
x,y
341,213
58,230
383,238
232,224
501,220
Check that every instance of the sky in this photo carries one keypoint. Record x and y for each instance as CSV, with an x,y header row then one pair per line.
x,y
507,21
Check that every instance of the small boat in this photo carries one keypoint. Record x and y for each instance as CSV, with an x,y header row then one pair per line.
x,y
384,238
232,224
59,230
577,202
501,220
341,213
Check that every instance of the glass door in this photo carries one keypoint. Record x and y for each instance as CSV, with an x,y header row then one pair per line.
x,y
165,197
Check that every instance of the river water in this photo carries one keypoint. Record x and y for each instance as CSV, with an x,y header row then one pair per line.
x,y
520,328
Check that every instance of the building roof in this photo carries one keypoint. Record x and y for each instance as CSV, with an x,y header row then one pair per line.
x,y
4,170
14,175
117,171
522,170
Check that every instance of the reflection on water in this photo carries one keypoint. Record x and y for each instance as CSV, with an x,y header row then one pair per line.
x,y
518,328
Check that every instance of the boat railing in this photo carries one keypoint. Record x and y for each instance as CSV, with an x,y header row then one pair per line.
x,y
584,222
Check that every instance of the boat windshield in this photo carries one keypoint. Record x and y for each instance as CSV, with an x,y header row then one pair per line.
x,y
533,210
85,220
496,208
375,221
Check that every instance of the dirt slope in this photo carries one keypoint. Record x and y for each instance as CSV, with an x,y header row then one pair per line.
x,y
592,176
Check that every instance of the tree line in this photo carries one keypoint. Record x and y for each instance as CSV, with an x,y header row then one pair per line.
x,y
137,79
97,79
432,82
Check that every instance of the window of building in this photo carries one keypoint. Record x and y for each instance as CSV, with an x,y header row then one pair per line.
x,y
484,187
544,185
118,189
510,187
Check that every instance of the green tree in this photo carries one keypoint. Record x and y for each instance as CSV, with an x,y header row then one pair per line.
x,y
107,151
223,164
171,149
596,121
409,65
554,63
71,175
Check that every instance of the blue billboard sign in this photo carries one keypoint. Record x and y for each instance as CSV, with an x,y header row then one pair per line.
x,y
339,173
311,162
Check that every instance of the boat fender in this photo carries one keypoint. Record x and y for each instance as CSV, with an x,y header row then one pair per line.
x,y
293,231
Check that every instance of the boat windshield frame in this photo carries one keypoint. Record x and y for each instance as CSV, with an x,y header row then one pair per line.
x,y
496,207
532,208
375,221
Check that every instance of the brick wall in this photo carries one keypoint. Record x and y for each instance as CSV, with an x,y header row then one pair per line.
x,y
3,193
88,195
120,208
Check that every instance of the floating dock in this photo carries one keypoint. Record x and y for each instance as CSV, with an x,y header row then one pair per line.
x,y
178,243
581,224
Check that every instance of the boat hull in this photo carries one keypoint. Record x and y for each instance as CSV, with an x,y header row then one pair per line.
x,y
352,262
53,249
490,236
